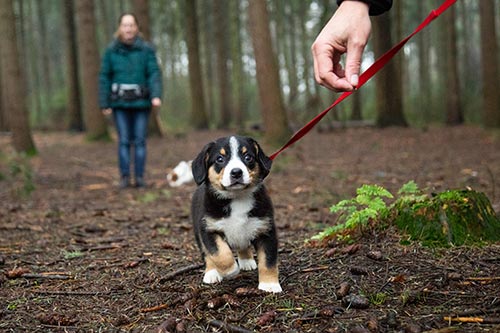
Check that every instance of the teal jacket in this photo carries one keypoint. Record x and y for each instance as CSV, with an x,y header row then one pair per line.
x,y
129,64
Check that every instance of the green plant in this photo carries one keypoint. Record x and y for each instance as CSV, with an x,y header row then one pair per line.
x,y
16,171
72,254
367,205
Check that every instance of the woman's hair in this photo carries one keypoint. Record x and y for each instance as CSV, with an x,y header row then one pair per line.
x,y
117,32
126,14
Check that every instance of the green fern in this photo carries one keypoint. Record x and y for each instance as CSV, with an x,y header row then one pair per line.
x,y
368,204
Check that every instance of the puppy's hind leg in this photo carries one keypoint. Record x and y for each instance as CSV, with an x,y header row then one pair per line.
x,y
246,260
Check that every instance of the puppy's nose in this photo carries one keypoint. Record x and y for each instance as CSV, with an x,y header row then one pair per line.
x,y
236,173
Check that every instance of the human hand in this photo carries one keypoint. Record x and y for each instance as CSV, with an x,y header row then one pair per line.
x,y
156,102
346,32
107,112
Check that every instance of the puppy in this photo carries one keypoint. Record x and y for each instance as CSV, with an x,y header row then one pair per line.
x,y
231,210
180,175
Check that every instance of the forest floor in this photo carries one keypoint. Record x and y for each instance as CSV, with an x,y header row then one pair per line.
x,y
79,255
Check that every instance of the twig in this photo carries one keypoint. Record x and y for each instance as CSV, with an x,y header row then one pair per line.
x,y
182,299
486,320
71,293
154,308
45,276
228,327
180,271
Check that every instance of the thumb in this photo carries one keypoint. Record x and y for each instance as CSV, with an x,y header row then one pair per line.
x,y
353,63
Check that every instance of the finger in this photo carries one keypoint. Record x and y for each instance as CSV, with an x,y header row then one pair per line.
x,y
353,62
329,73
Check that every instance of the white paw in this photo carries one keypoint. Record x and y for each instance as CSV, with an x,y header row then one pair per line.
x,y
233,272
271,287
247,264
212,276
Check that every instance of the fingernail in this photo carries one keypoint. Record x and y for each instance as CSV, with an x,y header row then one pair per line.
x,y
354,80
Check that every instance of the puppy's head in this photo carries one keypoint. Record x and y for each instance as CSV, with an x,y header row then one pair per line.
x,y
231,164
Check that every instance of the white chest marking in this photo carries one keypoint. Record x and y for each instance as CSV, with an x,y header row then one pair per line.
x,y
238,228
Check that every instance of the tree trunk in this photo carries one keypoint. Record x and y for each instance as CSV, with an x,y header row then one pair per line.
x,y
73,104
3,113
425,83
14,92
272,106
221,46
454,112
199,118
207,35
238,75
44,59
388,80
141,10
489,64
88,56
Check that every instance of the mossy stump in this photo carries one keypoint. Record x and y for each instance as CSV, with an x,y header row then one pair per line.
x,y
454,217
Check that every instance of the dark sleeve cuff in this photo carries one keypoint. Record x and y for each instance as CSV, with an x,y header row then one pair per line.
x,y
377,7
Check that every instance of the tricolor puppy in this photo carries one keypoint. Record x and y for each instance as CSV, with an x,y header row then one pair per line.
x,y
232,211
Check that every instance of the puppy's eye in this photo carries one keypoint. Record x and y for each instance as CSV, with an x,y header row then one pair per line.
x,y
220,159
248,158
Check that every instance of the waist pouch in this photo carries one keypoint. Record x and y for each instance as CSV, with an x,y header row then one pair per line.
x,y
128,92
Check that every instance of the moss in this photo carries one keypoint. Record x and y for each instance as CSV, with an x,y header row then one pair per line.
x,y
454,217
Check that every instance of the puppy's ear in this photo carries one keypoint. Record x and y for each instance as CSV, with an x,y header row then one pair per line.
x,y
200,164
264,161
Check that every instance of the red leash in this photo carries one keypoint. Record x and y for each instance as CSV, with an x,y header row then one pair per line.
x,y
374,68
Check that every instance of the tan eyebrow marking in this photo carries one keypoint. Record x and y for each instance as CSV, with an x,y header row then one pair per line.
x,y
244,150
222,151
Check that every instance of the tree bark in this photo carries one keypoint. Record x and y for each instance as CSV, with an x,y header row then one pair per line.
x,y
88,56
271,100
238,75
199,119
73,104
489,64
454,112
221,46
425,83
141,10
13,81
388,81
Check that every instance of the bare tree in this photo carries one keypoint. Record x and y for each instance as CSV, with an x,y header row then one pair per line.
x,y
489,64
388,80
271,100
13,91
88,56
141,10
73,104
454,112
222,57
199,118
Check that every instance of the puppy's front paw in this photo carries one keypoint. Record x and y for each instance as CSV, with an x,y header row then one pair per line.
x,y
212,276
271,287
247,264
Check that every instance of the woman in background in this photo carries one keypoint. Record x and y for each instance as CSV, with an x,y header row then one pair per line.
x,y
129,87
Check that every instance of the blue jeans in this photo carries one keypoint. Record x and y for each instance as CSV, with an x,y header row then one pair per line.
x,y
132,126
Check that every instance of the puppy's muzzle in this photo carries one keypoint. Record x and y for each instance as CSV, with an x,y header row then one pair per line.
x,y
236,175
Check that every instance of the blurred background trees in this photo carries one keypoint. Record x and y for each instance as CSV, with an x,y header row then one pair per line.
x,y
448,74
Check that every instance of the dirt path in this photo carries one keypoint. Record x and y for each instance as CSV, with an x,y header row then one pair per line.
x,y
80,256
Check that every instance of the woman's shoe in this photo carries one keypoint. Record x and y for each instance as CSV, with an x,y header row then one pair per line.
x,y
139,182
124,182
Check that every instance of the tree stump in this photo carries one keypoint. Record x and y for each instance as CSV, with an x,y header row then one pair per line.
x,y
455,217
